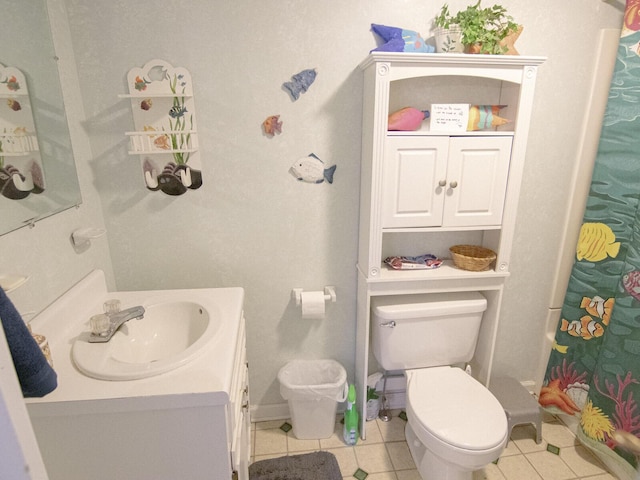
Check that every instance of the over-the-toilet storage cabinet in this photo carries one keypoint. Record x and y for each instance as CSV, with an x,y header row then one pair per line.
x,y
426,190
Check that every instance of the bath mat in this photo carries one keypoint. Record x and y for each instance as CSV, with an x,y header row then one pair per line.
x,y
309,466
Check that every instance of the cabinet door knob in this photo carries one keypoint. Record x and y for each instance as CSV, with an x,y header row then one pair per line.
x,y
453,184
442,183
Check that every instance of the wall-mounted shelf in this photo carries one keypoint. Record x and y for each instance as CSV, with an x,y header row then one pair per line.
x,y
21,172
424,131
151,142
19,144
154,95
14,94
165,135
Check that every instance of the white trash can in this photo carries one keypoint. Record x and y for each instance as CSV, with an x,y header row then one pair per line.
x,y
313,389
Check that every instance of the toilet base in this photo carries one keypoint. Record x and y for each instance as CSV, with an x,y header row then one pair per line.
x,y
431,466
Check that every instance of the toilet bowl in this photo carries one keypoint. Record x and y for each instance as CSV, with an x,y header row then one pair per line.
x,y
455,425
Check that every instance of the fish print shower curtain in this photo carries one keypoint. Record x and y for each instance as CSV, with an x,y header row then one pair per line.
x,y
594,367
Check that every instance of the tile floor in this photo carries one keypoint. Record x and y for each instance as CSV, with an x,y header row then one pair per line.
x,y
384,455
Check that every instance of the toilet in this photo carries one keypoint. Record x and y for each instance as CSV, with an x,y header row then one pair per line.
x,y
454,423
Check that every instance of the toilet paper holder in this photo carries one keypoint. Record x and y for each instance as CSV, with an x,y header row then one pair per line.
x,y
329,294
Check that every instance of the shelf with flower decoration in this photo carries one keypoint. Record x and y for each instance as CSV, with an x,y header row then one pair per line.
x,y
21,172
165,135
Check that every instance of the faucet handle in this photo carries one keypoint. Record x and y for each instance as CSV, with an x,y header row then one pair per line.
x,y
100,324
111,306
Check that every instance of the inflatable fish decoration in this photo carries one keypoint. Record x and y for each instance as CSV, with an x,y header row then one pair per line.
x,y
300,83
311,169
596,242
598,307
631,283
407,119
272,125
482,117
586,327
400,40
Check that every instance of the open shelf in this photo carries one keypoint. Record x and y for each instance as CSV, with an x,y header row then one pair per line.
x,y
447,271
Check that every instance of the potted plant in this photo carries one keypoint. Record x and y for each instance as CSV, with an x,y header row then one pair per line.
x,y
447,32
484,30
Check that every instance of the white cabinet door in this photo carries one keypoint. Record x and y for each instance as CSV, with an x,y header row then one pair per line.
x,y
477,172
414,169
433,181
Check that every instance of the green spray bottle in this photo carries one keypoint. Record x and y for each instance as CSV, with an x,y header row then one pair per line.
x,y
350,431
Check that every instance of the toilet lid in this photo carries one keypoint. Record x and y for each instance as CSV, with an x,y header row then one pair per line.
x,y
455,408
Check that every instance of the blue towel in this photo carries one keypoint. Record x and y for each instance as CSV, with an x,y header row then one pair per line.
x,y
36,376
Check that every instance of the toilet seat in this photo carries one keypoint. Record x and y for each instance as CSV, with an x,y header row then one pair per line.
x,y
449,406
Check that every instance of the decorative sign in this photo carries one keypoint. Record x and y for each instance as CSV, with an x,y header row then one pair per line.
x,y
449,117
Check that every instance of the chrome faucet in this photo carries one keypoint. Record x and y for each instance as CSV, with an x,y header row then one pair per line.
x,y
116,320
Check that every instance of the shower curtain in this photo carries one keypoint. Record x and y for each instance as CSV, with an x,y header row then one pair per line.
x,y
594,366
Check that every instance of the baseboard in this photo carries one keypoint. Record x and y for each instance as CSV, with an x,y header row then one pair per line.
x,y
264,413
280,411
396,398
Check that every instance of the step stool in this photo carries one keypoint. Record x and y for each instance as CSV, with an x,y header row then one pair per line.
x,y
520,406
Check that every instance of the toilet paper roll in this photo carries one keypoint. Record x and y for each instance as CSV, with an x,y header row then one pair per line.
x,y
312,305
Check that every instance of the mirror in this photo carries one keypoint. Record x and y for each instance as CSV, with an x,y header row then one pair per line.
x,y
34,56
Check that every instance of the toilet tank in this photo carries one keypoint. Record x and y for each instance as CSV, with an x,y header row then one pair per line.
x,y
417,331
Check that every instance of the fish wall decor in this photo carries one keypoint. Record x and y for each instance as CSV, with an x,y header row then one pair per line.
x,y
272,125
311,169
300,83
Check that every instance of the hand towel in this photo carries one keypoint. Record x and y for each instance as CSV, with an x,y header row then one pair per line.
x,y
35,375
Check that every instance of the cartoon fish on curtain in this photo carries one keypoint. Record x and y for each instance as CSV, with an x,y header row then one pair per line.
x,y
594,366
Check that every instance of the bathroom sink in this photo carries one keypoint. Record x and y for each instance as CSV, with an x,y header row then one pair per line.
x,y
170,335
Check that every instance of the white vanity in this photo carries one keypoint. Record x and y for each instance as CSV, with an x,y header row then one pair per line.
x,y
191,422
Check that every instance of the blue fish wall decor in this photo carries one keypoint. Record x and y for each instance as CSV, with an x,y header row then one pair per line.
x,y
300,83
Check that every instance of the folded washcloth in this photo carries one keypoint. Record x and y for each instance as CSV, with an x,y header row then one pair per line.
x,y
36,377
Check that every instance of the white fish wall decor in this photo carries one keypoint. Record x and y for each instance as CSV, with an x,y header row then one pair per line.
x,y
311,169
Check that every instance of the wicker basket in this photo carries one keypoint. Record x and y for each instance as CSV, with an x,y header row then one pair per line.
x,y
472,257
